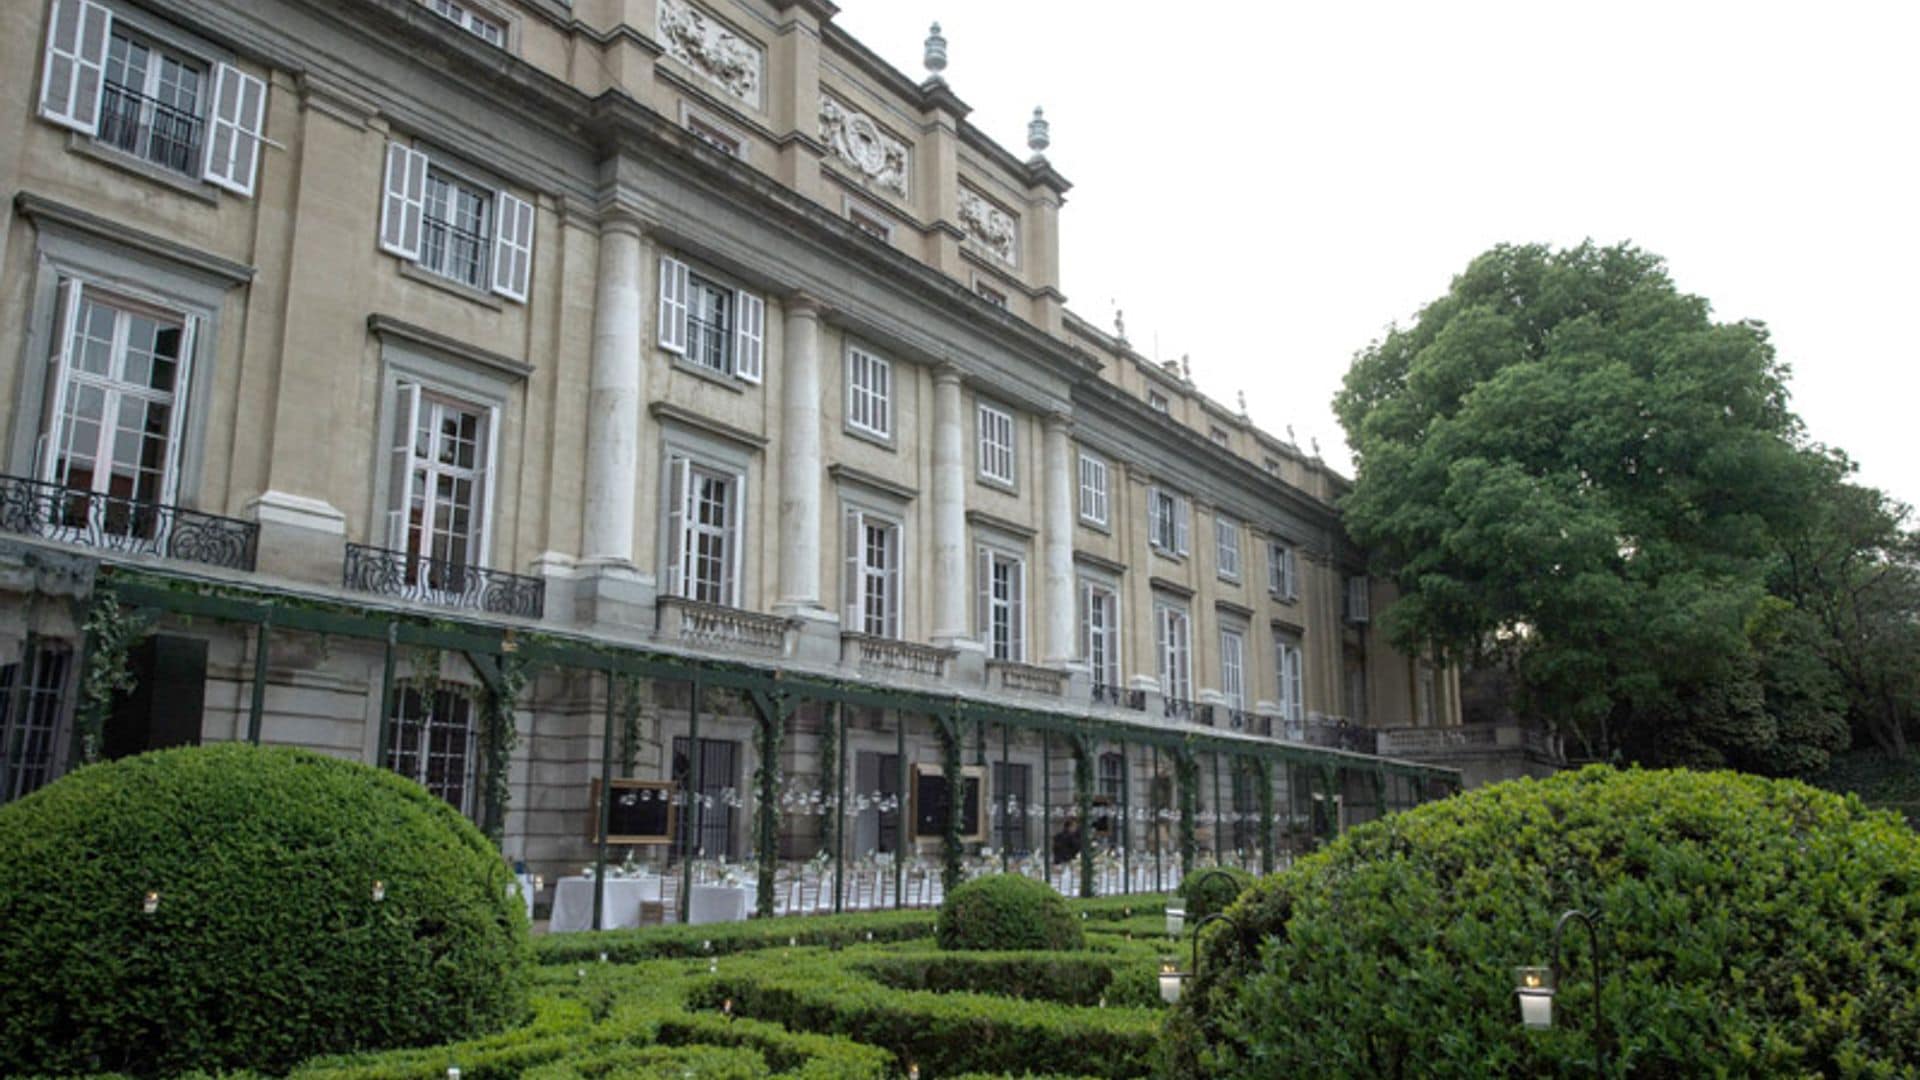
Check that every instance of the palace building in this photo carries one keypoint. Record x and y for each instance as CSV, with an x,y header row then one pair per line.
x,y
520,394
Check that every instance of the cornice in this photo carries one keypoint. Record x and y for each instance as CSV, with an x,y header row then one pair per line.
x,y
1000,524
387,326
674,414
847,474
44,211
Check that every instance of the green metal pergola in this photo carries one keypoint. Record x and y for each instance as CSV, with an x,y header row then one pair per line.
x,y
775,694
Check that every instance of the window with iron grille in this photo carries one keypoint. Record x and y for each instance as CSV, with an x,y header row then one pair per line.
x,y
712,326
105,78
34,704
1001,612
431,741
1233,686
454,227
1093,490
441,489
458,230
1173,636
1291,665
996,444
869,393
1166,522
872,552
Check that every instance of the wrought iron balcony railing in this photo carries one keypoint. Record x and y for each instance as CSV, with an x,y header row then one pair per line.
x,y
150,128
1174,708
126,526
435,581
1120,696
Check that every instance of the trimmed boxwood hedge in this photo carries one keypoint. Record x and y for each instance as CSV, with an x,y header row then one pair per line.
x,y
1750,927
267,946
1006,911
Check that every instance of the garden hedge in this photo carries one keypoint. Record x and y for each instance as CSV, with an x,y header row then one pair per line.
x,y
1207,891
266,945
1006,911
1749,927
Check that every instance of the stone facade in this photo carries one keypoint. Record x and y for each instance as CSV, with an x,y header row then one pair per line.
x,y
680,324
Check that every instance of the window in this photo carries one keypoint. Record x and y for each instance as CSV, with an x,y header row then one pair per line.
x,y
431,742
873,575
1226,546
455,228
996,444
1002,604
1357,599
1233,666
869,393
442,488
718,328
1283,572
1172,637
30,734
1429,703
1356,690
1093,490
991,295
1272,466
1219,436
1166,522
106,81
1157,401
1113,776
714,135
1291,666
491,31
703,533
1100,633
121,377
869,223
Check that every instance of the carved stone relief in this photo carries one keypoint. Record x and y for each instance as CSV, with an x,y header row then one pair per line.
x,y
704,44
989,226
858,141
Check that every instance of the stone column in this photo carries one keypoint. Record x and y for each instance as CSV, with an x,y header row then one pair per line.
x,y
1056,533
799,539
613,398
950,625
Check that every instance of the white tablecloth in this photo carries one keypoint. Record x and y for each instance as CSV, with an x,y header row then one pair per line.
x,y
717,903
573,902
524,882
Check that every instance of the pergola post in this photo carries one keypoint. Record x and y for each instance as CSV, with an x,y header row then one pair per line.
x,y
904,841
605,809
771,711
837,715
1083,750
257,707
695,819
386,695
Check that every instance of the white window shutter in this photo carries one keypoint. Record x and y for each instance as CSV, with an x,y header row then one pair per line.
x,y
1160,617
512,247
895,553
1292,575
1086,623
176,428
489,468
60,362
1180,526
233,138
854,578
403,206
983,570
1017,614
406,420
673,305
749,337
678,489
78,32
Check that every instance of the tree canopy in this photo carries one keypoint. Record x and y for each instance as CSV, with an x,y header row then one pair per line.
x,y
1570,469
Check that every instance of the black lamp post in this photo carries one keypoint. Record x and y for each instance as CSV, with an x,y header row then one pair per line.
x,y
1535,986
1176,916
1171,978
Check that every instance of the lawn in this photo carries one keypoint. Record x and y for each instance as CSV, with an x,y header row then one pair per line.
x,y
847,996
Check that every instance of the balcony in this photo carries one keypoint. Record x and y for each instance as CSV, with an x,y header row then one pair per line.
x,y
1246,722
150,128
125,526
441,583
1120,697
728,629
1026,678
871,653
1336,732
1174,708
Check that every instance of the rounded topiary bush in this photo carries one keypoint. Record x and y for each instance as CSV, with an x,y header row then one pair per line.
x,y
1204,892
1006,911
1748,927
266,945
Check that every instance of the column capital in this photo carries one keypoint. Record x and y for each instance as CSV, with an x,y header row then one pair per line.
x,y
805,304
616,218
1058,420
946,371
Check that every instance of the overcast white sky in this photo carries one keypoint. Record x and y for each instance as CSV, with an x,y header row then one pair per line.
x,y
1268,185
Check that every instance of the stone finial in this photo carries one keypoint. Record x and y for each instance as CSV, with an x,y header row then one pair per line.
x,y
936,60
1038,137
1315,441
1243,404
1120,325
1186,366
1291,441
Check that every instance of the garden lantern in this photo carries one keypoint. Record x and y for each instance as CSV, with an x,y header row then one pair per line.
x,y
1171,978
1176,920
453,1072
379,890
151,903
1534,987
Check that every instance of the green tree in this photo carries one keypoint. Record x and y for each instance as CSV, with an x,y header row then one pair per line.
x,y
1852,571
1569,468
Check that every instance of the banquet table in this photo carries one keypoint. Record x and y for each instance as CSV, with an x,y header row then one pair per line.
x,y
573,902
717,903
